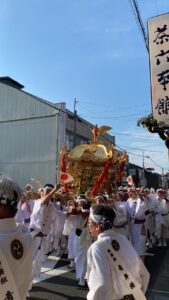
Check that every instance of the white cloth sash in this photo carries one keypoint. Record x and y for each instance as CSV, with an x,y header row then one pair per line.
x,y
133,212
126,277
7,282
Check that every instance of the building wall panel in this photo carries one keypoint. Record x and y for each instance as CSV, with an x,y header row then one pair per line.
x,y
16,104
28,149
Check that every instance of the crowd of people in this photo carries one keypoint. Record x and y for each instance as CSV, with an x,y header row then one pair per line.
x,y
105,237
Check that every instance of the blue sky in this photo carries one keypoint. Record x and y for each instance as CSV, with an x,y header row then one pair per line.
x,y
88,49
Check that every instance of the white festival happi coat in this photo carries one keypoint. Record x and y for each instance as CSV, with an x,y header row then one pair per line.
x,y
24,212
83,243
71,223
41,220
149,218
114,269
160,208
15,260
120,221
136,209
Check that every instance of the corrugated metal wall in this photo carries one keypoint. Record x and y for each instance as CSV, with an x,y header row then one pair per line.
x,y
28,149
28,136
16,104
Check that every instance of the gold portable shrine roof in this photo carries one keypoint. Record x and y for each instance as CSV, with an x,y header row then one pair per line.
x,y
94,152
93,165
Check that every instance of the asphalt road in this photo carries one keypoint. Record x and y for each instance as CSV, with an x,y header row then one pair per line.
x,y
59,282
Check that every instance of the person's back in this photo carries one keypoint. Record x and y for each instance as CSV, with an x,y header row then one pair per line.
x,y
117,258
114,269
15,246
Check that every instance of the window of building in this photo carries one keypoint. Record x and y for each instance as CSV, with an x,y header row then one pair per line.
x,y
70,140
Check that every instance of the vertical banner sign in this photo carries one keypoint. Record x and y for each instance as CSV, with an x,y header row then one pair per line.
x,y
158,30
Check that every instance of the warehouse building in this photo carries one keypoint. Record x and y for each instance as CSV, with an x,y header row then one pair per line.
x,y
32,132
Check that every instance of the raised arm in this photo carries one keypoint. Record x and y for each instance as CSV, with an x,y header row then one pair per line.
x,y
48,197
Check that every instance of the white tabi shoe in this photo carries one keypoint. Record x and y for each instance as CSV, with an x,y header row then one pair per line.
x,y
164,244
153,239
72,264
149,244
82,283
160,244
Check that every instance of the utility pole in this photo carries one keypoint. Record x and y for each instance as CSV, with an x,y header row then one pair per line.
x,y
162,177
144,178
75,122
143,159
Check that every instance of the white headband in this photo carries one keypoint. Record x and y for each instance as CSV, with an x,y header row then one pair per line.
x,y
47,188
85,210
95,218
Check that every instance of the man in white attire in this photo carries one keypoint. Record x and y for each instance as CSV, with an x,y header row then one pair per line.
x,y
42,217
25,208
83,243
120,221
15,246
136,212
160,209
150,198
73,221
114,269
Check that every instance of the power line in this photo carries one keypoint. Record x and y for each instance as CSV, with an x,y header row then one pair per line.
x,y
128,152
155,162
136,12
129,134
143,156
117,146
109,106
135,111
139,149
110,109
116,117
